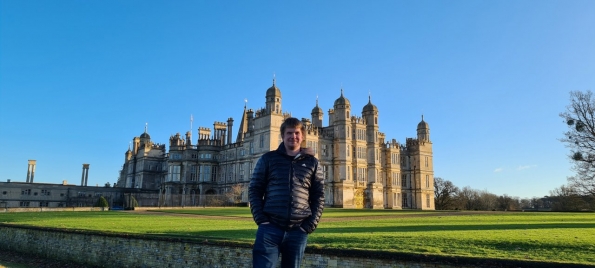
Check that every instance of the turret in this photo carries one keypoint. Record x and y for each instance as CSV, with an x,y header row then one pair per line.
x,y
342,108
423,131
370,113
317,114
273,99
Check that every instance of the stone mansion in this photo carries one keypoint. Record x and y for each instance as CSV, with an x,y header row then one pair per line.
x,y
362,169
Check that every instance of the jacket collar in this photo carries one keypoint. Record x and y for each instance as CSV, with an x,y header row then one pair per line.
x,y
303,151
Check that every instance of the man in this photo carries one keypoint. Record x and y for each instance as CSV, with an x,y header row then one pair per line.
x,y
286,199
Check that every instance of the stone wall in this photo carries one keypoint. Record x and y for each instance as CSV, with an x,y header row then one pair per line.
x,y
119,250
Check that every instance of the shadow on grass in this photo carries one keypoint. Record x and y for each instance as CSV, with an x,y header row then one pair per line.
x,y
465,227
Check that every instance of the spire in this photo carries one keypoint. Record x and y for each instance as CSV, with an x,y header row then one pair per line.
x,y
191,120
422,117
273,79
146,126
243,124
316,100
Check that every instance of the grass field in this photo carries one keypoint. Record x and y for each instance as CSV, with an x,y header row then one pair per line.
x,y
538,236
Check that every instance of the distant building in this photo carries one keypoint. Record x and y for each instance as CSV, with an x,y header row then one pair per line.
x,y
23,194
362,169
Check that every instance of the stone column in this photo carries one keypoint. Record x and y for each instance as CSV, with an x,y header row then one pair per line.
x,y
85,176
229,129
31,171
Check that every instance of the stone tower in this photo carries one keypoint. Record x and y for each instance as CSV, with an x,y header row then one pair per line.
x,y
342,165
370,115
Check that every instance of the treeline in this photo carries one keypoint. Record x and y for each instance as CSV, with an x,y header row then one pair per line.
x,y
450,197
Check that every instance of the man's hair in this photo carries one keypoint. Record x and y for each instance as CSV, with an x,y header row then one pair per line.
x,y
292,122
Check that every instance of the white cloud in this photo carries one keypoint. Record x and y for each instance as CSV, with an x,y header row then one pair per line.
x,y
526,167
498,170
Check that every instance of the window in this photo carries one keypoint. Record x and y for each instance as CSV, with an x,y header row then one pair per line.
x,y
427,200
261,141
324,150
4,192
204,172
251,148
26,192
24,203
193,175
213,174
241,171
426,161
405,203
174,173
324,172
427,181
44,204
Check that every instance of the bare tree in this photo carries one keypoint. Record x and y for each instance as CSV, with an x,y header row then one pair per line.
x,y
235,193
487,200
566,198
580,138
445,193
468,199
506,202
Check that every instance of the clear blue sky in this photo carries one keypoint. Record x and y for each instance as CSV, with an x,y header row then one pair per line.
x,y
79,79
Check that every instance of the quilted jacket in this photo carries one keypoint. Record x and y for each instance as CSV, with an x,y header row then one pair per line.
x,y
287,191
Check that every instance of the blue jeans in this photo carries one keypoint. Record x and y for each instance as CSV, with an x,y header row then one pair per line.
x,y
272,241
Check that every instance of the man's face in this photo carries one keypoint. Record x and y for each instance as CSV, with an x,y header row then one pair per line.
x,y
292,137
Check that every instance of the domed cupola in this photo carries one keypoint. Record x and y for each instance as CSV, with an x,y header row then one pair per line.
x,y
423,124
317,115
423,130
145,135
273,91
369,107
273,99
316,109
341,102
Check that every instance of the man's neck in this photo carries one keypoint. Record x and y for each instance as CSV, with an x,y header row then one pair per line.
x,y
292,152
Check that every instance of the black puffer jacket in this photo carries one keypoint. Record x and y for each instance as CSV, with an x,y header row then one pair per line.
x,y
287,191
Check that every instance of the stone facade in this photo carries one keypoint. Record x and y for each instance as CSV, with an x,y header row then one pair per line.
x,y
362,168
47,195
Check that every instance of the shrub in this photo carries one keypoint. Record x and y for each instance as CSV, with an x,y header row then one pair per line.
x,y
102,202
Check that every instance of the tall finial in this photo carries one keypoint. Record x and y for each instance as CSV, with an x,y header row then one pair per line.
x,y
129,143
245,103
146,126
274,78
191,120
422,117
316,100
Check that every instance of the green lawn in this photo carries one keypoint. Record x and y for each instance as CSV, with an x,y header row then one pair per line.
x,y
542,236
